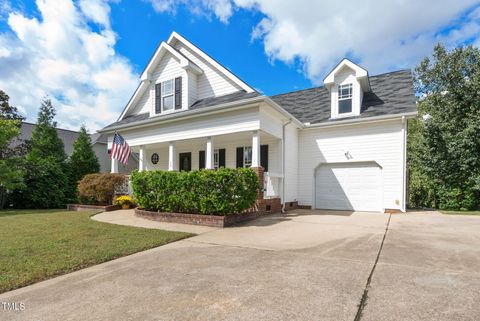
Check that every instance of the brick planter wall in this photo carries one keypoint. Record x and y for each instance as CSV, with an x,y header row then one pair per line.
x,y
262,208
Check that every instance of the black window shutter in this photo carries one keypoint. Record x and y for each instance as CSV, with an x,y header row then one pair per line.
x,y
178,93
239,157
201,159
221,157
264,157
158,98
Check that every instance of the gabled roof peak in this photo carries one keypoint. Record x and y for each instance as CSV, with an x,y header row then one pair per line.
x,y
160,52
360,73
177,37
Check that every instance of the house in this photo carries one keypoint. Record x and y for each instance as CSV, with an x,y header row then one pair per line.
x,y
68,137
341,146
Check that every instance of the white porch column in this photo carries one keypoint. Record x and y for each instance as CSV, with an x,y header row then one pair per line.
x,y
256,149
209,154
114,167
172,157
141,160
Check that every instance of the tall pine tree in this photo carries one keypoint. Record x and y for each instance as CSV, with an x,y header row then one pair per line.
x,y
46,180
83,160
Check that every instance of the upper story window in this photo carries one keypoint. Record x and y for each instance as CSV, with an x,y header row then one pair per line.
x,y
345,98
168,95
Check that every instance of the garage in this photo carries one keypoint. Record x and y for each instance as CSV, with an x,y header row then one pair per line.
x,y
348,186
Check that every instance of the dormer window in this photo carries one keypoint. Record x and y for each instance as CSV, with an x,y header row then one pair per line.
x,y
345,94
168,95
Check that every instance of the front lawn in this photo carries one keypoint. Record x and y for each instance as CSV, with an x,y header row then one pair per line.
x,y
40,244
461,212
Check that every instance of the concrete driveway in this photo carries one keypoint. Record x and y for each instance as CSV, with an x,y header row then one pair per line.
x,y
307,265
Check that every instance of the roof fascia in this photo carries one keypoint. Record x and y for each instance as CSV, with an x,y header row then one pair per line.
x,y
210,60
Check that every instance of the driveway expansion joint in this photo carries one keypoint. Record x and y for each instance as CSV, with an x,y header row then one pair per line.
x,y
363,300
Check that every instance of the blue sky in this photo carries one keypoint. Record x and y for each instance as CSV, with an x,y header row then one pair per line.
x,y
87,54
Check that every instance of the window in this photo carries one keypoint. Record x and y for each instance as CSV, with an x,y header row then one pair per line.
x,y
167,95
247,156
154,158
216,158
345,99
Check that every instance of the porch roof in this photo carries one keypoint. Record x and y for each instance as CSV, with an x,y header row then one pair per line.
x,y
199,104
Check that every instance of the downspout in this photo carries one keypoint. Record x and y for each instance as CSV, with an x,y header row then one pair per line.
x,y
404,176
283,163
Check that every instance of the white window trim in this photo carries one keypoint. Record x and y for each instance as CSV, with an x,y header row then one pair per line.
x,y
163,95
351,113
245,159
216,159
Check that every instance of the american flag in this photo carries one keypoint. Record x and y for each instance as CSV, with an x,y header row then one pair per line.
x,y
120,149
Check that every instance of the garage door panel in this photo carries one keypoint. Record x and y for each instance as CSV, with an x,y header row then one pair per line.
x,y
352,186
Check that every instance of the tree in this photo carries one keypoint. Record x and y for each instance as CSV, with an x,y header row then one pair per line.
x,y
45,142
83,160
445,150
11,174
46,184
11,171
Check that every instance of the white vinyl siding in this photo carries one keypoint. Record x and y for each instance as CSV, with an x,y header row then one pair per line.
x,y
145,103
381,142
291,163
211,83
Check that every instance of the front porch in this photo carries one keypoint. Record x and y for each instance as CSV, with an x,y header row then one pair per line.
x,y
242,149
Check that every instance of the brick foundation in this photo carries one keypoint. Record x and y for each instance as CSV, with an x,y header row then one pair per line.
x,y
392,211
289,206
260,173
304,207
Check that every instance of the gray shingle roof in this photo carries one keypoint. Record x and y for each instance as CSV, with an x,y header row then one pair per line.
x,y
391,93
67,136
202,103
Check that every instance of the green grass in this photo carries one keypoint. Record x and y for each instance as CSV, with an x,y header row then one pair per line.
x,y
461,212
39,244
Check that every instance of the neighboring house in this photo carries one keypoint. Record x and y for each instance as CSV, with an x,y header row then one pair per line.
x,y
341,146
99,145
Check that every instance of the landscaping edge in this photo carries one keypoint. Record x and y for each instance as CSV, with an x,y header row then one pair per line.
x,y
83,207
205,220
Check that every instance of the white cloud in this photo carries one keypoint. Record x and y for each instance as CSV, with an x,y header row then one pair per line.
x,y
222,9
97,11
380,35
61,56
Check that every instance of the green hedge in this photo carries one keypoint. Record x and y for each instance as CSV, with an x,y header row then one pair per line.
x,y
220,192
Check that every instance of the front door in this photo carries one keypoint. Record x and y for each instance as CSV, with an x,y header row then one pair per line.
x,y
185,161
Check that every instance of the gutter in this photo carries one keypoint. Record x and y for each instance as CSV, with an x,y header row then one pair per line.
x,y
360,120
236,105
283,163
240,104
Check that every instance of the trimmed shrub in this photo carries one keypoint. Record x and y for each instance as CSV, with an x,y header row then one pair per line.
x,y
221,192
99,188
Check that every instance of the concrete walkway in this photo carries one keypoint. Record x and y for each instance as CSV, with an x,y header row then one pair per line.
x,y
127,217
307,265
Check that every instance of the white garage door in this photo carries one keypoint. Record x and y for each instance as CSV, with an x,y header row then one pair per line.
x,y
353,186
